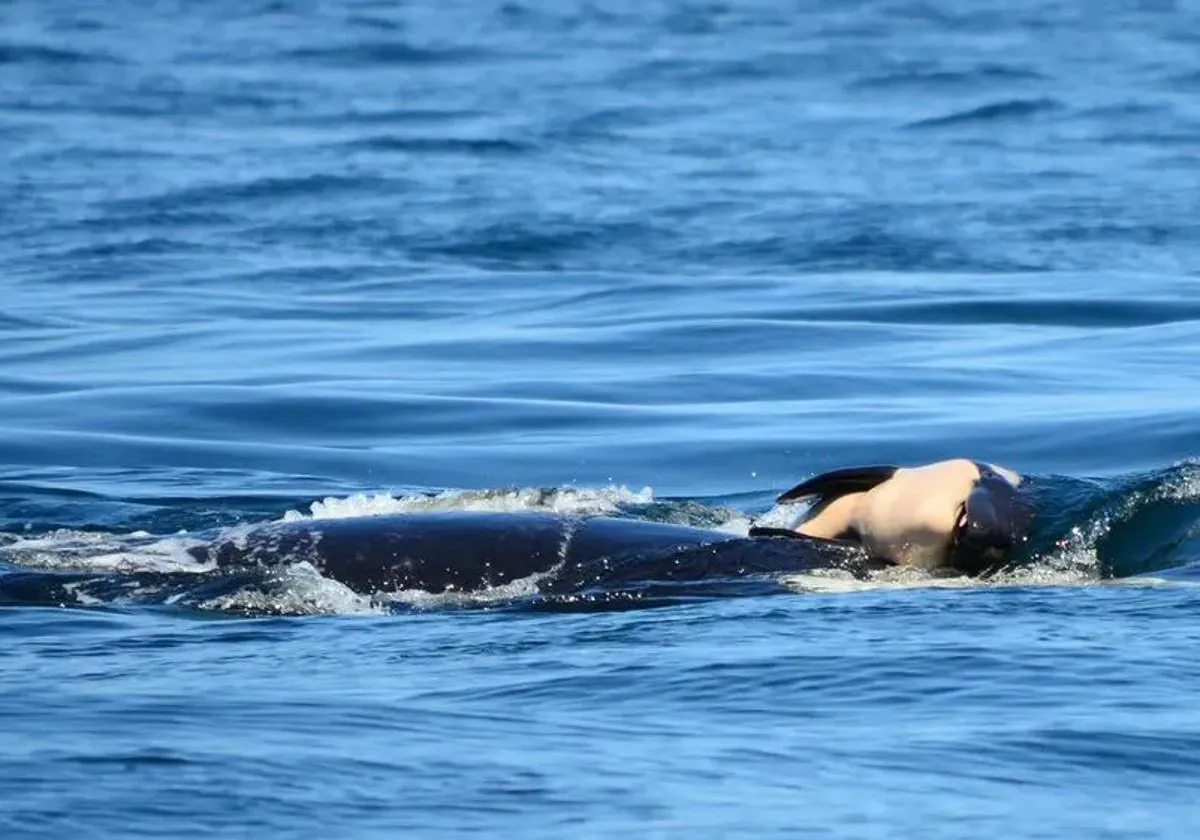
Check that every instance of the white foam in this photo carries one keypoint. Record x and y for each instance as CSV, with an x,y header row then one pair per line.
x,y
67,549
81,597
784,516
737,525
1152,583
295,589
908,577
420,599
1183,487
898,577
566,500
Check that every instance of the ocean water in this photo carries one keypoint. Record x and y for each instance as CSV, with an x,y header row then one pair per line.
x,y
278,260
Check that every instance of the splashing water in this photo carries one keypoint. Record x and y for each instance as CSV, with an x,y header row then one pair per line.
x,y
565,500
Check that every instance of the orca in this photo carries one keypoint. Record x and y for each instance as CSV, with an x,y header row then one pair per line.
x,y
469,551
960,515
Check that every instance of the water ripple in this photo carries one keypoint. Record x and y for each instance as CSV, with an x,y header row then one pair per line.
x,y
34,54
385,53
482,146
920,76
1009,111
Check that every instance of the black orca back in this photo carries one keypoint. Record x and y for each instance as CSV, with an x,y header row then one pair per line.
x,y
467,551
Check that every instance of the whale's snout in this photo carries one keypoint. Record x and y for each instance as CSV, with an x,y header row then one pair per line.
x,y
994,521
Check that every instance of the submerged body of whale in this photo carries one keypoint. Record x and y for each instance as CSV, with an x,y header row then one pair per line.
x,y
469,551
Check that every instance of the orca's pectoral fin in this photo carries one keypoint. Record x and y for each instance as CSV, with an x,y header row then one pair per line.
x,y
830,485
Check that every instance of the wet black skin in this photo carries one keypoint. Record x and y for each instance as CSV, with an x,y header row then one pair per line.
x,y
996,520
467,551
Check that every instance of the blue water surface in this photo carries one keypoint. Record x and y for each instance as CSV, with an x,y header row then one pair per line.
x,y
667,258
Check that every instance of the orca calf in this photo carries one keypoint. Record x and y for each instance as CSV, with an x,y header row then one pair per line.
x,y
963,515
959,515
